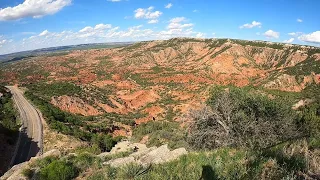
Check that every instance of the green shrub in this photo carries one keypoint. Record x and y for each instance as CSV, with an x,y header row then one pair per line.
x,y
310,116
130,171
97,176
239,117
310,121
55,89
45,161
58,170
161,132
105,142
93,149
304,67
314,143
85,160
111,172
28,173
291,163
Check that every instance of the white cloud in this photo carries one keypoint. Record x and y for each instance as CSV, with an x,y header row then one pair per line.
x,y
97,27
4,41
147,13
33,8
168,6
45,32
114,0
299,20
200,35
31,37
312,37
252,25
177,19
89,31
195,11
295,33
176,27
289,40
153,21
177,23
102,26
272,34
86,29
140,13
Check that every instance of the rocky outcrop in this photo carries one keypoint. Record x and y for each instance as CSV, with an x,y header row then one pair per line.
x,y
302,103
143,155
120,161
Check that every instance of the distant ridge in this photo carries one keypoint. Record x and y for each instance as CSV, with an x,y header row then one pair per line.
x,y
31,53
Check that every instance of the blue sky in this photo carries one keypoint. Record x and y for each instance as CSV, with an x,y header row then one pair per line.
x,y
32,24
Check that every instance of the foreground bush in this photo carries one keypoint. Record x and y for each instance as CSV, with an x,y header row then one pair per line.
x,y
161,132
240,118
310,118
58,170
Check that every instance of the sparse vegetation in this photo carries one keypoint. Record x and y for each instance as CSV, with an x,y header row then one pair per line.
x,y
133,46
140,80
258,44
305,67
220,51
214,43
55,89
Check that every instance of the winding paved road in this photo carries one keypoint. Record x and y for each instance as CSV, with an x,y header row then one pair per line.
x,y
30,140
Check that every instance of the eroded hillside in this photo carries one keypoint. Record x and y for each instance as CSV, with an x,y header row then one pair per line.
x,y
161,80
